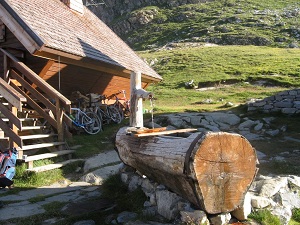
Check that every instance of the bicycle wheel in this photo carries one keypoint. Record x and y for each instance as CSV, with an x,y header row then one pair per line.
x,y
120,108
114,114
91,123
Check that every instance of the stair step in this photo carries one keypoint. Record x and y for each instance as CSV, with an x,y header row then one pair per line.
x,y
52,166
21,119
33,127
37,136
43,145
30,137
47,155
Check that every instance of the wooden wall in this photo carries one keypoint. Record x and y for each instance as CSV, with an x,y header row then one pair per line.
x,y
74,78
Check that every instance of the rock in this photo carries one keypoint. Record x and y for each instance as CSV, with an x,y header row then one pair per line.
x,y
294,180
220,219
278,159
260,155
273,132
101,160
247,125
250,136
148,186
125,177
194,217
228,104
289,199
272,186
259,202
167,204
85,222
125,216
50,221
226,118
242,212
150,211
283,213
134,182
258,126
98,176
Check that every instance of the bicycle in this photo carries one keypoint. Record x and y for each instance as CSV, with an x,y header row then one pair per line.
x,y
88,121
105,112
124,106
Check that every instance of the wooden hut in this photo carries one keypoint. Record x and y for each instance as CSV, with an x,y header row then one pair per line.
x,y
48,49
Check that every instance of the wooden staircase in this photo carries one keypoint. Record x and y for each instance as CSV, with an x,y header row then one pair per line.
x,y
26,109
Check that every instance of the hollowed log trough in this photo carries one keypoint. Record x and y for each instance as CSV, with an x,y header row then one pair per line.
x,y
212,170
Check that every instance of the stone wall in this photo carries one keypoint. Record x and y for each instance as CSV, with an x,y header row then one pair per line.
x,y
280,194
286,102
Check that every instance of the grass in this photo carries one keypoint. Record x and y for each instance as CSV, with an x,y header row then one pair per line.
x,y
245,65
264,217
88,145
296,215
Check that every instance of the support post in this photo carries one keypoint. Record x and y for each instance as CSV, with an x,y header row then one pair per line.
x,y
137,94
14,128
5,67
59,120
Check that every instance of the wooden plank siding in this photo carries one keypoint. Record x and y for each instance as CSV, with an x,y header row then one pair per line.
x,y
74,78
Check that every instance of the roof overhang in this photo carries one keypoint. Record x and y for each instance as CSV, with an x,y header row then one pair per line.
x,y
84,62
31,41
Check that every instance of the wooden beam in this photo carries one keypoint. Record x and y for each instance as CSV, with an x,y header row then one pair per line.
x,y
91,64
33,91
13,127
44,70
10,116
59,122
165,132
136,103
11,95
5,67
32,76
8,132
40,110
17,26
83,62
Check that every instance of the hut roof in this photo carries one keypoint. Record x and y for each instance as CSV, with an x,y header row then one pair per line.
x,y
50,28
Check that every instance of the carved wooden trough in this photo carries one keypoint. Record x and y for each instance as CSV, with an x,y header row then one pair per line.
x,y
212,170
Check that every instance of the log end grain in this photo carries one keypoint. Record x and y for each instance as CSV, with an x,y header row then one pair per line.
x,y
223,166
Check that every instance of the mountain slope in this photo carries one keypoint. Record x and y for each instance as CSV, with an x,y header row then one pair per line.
x,y
225,22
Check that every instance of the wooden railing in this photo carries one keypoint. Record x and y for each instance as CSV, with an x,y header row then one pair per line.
x,y
14,100
21,81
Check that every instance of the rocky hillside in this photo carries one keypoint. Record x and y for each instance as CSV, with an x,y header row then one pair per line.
x,y
148,24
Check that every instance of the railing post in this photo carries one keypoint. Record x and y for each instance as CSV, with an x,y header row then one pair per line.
x,y
13,127
59,120
5,67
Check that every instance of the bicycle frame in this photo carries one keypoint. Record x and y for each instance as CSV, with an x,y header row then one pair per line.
x,y
78,115
123,107
88,121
